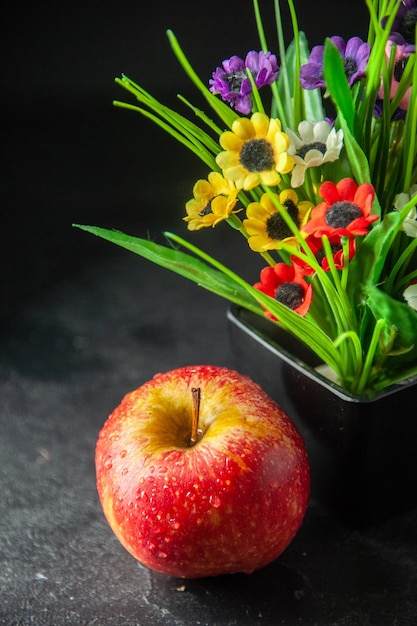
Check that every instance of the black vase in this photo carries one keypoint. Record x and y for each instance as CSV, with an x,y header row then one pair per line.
x,y
362,449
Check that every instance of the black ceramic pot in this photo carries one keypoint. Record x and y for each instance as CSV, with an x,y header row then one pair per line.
x,y
362,449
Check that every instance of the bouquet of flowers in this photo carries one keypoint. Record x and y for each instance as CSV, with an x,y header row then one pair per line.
x,y
311,155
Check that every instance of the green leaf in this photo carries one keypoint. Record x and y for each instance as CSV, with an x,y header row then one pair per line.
x,y
301,327
366,266
218,279
225,113
337,84
181,263
358,161
289,79
401,321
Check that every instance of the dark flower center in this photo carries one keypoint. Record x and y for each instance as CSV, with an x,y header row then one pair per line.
x,y
320,254
351,67
206,211
276,227
408,24
235,80
291,294
257,155
399,68
341,214
316,145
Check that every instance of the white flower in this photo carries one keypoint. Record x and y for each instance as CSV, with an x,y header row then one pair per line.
x,y
410,223
410,295
316,143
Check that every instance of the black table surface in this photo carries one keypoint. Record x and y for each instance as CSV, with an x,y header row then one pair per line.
x,y
66,360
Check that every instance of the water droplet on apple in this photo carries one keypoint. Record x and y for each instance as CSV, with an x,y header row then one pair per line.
x,y
162,555
130,505
108,463
125,471
163,470
151,469
123,453
145,497
215,501
174,524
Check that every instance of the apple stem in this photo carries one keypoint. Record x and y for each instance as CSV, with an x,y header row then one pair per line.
x,y
196,393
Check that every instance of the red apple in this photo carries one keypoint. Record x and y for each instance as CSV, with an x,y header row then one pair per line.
x,y
200,473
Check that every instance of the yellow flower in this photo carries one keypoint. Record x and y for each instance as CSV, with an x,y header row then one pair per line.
x,y
254,152
265,225
214,200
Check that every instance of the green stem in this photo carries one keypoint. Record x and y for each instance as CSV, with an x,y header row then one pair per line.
x,y
346,262
363,380
408,250
410,132
298,108
257,101
406,280
401,265
189,141
357,348
224,112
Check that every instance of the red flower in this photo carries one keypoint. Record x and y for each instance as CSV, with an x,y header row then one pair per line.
x,y
346,210
286,284
316,246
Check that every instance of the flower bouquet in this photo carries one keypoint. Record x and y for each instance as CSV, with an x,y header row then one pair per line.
x,y
311,156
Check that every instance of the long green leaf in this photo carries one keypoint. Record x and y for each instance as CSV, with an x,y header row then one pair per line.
x,y
181,263
358,161
218,279
225,113
337,84
301,327
287,80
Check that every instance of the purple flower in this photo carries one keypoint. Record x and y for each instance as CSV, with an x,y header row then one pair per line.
x,y
399,114
354,53
402,31
232,83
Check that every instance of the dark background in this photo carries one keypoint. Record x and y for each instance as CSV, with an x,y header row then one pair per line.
x,y
82,322
70,156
